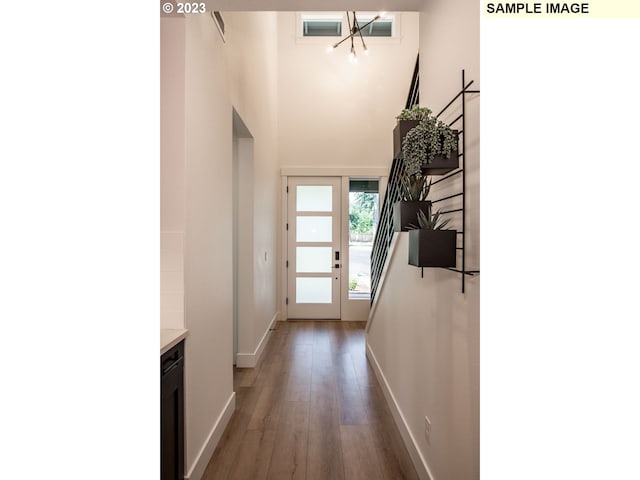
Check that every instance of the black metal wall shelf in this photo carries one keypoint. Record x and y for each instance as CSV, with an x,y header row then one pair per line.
x,y
384,234
459,120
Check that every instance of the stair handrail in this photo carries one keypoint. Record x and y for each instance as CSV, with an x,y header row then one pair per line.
x,y
384,232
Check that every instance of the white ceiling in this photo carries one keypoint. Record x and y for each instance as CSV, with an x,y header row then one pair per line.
x,y
314,5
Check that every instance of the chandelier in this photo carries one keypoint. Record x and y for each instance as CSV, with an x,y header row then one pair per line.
x,y
355,30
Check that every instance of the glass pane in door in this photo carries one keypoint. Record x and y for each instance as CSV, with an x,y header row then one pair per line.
x,y
313,290
313,198
313,229
313,259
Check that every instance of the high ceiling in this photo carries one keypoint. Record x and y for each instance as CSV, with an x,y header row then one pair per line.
x,y
311,5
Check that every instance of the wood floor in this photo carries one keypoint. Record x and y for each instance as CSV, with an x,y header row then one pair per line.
x,y
312,409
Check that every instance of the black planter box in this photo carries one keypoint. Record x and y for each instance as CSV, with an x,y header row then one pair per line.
x,y
401,130
442,165
432,248
405,213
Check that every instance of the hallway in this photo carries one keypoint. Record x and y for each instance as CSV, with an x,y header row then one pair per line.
x,y
312,409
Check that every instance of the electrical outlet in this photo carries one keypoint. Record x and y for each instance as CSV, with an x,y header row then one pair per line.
x,y
427,429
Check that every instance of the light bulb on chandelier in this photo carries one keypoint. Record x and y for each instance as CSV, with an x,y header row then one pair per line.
x,y
355,30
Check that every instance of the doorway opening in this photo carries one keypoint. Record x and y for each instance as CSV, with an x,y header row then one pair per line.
x,y
330,224
242,209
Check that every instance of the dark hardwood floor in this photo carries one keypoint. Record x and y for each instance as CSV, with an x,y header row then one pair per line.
x,y
312,409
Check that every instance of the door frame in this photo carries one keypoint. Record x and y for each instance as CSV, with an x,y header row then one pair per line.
x,y
331,310
350,309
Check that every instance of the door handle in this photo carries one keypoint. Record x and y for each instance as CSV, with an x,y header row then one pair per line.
x,y
174,365
337,265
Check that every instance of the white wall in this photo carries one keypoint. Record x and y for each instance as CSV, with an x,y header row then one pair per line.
x,y
332,112
252,52
210,79
208,292
425,332
172,173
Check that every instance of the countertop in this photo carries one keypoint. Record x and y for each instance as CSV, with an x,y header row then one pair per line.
x,y
170,337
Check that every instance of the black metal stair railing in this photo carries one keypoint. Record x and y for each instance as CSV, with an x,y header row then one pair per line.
x,y
414,90
384,232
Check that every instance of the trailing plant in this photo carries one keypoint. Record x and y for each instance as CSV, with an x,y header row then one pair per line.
x,y
414,187
416,112
426,141
431,222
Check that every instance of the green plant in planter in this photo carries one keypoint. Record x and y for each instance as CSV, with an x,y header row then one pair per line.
x,y
430,243
415,187
416,112
431,138
433,222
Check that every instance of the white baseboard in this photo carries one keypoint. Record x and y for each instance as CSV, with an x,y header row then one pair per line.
x,y
250,360
409,441
202,460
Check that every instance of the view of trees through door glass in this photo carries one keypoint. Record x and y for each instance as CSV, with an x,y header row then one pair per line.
x,y
363,221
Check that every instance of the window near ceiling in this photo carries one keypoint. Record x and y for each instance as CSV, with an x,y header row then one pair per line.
x,y
335,24
382,27
321,25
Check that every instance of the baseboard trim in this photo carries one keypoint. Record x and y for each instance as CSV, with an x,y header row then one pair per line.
x,y
250,360
202,460
418,460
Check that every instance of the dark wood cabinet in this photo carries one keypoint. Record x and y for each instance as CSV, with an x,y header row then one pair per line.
x,y
172,414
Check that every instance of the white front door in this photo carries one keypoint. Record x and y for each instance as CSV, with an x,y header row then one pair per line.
x,y
313,247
